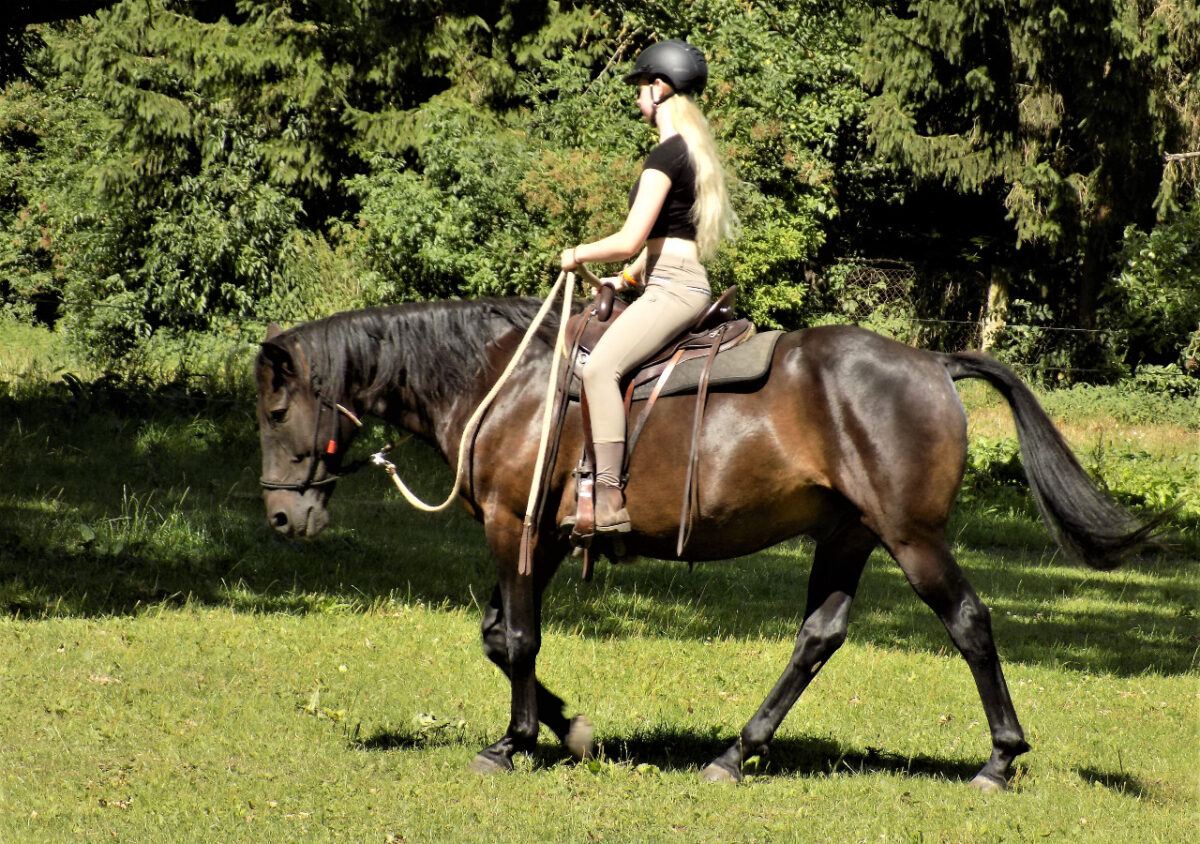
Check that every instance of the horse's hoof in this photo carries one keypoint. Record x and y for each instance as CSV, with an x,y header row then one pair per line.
x,y
579,738
719,773
485,764
987,784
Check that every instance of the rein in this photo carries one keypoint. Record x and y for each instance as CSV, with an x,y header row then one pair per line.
x,y
469,431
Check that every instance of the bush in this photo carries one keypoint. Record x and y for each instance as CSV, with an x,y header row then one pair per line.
x,y
1154,303
1034,341
479,210
1125,403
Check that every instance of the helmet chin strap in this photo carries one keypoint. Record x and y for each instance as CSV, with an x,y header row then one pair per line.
x,y
670,93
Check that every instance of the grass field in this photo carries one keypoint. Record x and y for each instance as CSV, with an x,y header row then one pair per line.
x,y
171,671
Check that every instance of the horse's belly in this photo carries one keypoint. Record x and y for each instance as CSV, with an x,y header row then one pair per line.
x,y
734,522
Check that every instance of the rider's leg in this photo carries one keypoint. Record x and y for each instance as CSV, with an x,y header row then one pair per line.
x,y
662,312
611,515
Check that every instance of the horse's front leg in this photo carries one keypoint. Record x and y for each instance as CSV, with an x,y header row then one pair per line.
x,y
575,733
514,645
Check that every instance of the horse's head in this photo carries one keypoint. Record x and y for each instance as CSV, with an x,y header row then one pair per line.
x,y
304,434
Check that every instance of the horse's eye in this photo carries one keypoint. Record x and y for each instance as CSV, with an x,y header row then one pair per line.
x,y
279,415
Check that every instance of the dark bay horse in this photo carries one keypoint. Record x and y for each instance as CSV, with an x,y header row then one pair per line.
x,y
853,439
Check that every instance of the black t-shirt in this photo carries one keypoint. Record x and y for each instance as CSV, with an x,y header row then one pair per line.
x,y
675,217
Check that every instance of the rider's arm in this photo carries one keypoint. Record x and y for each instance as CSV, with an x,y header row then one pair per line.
x,y
624,244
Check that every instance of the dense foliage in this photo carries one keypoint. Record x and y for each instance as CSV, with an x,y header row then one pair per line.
x,y
175,166
1055,120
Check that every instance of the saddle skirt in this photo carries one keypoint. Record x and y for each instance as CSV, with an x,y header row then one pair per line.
x,y
715,350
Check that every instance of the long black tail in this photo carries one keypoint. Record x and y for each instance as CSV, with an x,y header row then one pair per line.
x,y
1086,523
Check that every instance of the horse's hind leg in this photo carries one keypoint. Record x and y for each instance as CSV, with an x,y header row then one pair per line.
x,y
936,577
837,567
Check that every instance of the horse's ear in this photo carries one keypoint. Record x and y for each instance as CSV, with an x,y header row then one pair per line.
x,y
273,331
278,356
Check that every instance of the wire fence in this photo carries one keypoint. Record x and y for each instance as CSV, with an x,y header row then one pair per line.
x,y
891,280
888,288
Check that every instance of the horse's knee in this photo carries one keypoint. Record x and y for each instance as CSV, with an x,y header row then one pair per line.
x,y
822,634
494,647
826,642
491,632
522,646
817,643
509,648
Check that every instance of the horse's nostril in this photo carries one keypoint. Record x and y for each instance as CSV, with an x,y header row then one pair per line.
x,y
279,520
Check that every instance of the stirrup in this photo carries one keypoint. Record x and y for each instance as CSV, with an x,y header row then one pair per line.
x,y
580,524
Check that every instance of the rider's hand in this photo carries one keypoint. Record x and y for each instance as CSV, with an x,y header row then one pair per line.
x,y
614,281
567,260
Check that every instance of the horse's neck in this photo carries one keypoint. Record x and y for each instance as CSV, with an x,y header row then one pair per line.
x,y
441,416
530,373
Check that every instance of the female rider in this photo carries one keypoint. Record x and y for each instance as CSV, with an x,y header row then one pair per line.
x,y
678,212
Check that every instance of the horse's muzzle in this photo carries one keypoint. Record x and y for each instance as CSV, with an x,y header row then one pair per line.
x,y
296,515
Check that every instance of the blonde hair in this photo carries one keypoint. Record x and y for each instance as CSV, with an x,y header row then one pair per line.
x,y
712,214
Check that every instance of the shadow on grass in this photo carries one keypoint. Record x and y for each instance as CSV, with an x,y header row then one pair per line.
x,y
1121,783
387,741
670,750
682,751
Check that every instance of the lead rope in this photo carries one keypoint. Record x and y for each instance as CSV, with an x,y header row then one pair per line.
x,y
379,459
525,558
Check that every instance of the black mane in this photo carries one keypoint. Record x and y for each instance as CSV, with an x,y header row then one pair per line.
x,y
434,350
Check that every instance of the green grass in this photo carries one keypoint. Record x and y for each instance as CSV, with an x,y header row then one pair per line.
x,y
171,671
205,723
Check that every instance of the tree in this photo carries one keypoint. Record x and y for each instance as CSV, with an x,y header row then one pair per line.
x,y
561,152
221,136
25,12
1056,116
177,164
782,101
16,41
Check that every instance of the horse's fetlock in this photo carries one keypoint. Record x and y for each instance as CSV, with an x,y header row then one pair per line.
x,y
1012,743
755,740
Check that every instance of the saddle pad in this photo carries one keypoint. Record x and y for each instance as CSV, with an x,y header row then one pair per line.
x,y
745,362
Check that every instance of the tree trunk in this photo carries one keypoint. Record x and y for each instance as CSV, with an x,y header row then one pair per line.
x,y
996,309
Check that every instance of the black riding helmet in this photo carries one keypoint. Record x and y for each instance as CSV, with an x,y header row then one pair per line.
x,y
678,63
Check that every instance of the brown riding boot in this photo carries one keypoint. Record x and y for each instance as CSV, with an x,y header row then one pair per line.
x,y
611,515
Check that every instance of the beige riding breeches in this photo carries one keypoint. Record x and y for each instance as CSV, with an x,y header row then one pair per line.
x,y
677,292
